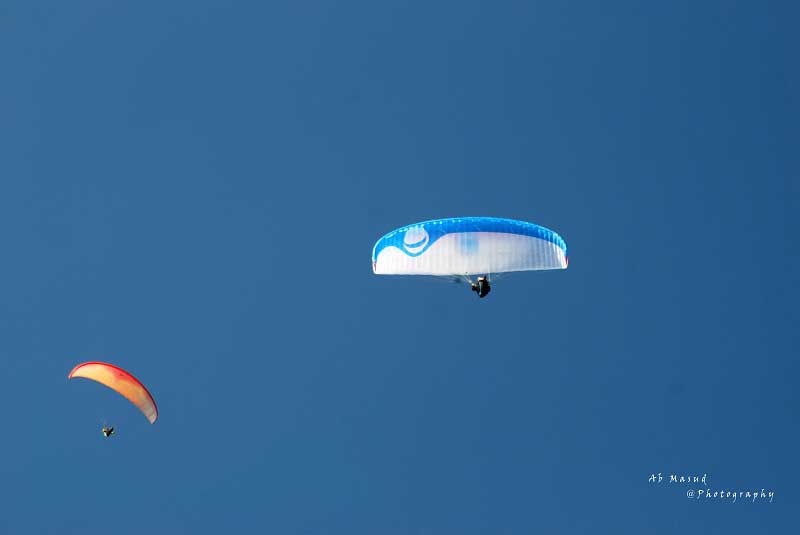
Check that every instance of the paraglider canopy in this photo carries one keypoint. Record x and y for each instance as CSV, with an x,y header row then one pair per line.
x,y
468,246
121,382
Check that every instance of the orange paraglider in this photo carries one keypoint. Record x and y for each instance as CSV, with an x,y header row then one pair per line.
x,y
120,381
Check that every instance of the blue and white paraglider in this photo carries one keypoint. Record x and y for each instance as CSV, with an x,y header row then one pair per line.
x,y
465,246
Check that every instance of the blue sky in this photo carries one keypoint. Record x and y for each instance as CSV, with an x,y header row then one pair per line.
x,y
191,190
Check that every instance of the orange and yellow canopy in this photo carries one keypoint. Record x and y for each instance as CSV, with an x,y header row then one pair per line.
x,y
122,382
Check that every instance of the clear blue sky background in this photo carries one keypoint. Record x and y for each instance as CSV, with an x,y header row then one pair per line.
x,y
192,190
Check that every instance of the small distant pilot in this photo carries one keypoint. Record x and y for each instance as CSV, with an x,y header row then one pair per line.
x,y
482,287
108,431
